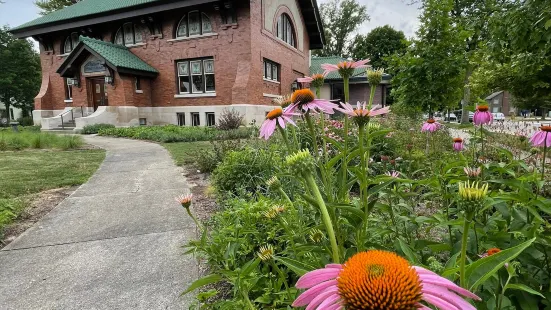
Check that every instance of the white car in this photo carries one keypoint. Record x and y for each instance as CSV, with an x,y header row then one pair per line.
x,y
452,117
499,117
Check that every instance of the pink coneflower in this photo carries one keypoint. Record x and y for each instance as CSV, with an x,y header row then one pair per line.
x,y
379,280
458,144
316,80
430,126
542,137
185,200
277,117
472,172
393,174
345,68
482,115
361,114
305,100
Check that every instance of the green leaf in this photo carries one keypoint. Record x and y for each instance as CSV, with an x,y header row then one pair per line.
x,y
211,278
479,271
250,266
525,288
298,267
548,25
408,252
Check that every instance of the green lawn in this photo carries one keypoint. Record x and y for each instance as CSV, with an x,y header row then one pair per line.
x,y
185,153
24,173
28,172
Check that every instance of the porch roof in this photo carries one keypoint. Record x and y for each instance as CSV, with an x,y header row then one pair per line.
x,y
117,57
358,75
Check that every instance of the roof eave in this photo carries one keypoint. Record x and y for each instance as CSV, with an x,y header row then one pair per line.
x,y
99,18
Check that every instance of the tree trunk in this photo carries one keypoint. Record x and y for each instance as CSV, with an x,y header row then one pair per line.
x,y
466,97
543,112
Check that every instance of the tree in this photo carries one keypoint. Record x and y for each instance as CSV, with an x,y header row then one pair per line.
x,y
378,44
48,6
341,18
20,72
429,75
518,58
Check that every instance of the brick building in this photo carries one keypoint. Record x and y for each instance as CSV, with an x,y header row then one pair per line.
x,y
130,62
333,88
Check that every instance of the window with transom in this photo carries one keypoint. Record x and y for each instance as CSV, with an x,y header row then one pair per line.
x,y
285,30
70,43
129,34
194,24
196,76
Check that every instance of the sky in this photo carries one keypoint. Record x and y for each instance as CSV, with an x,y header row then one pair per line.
x,y
397,13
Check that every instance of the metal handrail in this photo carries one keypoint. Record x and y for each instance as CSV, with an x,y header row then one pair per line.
x,y
66,112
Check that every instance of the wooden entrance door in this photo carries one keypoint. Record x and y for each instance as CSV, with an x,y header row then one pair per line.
x,y
99,93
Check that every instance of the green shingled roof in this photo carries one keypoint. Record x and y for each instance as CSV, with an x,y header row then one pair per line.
x,y
117,55
315,67
82,9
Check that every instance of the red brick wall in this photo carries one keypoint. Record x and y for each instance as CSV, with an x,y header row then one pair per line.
x,y
238,53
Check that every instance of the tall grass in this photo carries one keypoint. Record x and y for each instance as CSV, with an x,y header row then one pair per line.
x,y
16,141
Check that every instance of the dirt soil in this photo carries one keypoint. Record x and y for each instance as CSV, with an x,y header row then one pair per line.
x,y
40,205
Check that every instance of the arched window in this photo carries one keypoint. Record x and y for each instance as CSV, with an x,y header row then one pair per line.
x,y
70,43
285,30
193,24
129,34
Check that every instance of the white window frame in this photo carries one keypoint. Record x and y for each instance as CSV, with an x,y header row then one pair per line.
x,y
202,17
193,114
284,28
207,114
190,75
181,119
274,67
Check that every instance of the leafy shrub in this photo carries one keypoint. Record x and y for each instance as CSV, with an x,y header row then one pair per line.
x,y
230,119
95,128
246,171
12,141
25,121
172,133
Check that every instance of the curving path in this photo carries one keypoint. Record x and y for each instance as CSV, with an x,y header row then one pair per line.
x,y
115,243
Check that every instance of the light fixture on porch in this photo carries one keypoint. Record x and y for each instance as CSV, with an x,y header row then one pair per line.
x,y
109,79
294,86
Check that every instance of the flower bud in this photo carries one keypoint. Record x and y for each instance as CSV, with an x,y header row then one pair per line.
x,y
374,77
300,162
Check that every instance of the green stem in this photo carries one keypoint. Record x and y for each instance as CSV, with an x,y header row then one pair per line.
x,y
344,166
283,278
463,258
285,139
324,215
285,196
544,156
312,134
372,96
482,139
199,226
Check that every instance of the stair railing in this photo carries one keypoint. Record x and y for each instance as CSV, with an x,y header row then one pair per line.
x,y
64,113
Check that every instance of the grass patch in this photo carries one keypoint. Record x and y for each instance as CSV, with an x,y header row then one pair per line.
x,y
27,139
185,153
32,171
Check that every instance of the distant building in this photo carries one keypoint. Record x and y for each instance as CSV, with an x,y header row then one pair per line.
x,y
500,102
129,62
333,89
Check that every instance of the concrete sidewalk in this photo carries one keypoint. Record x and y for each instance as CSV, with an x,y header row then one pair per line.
x,y
115,243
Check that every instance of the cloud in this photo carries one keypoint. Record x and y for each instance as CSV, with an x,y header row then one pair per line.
x,y
397,13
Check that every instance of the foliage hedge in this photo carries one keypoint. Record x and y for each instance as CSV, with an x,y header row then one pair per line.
x,y
173,133
95,128
16,141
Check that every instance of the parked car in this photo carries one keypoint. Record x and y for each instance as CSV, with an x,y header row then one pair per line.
x,y
451,117
459,113
500,117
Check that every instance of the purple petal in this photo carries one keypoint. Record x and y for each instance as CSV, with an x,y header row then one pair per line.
x,y
317,276
330,292
329,301
446,295
281,122
441,304
441,281
306,297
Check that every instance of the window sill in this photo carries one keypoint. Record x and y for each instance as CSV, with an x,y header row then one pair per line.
x,y
136,45
271,95
68,100
195,95
271,81
63,55
139,91
214,34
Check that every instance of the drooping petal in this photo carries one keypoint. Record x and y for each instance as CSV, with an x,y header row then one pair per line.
x,y
329,301
306,297
447,295
281,122
381,111
337,306
337,266
305,79
317,276
360,64
328,293
441,304
441,281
